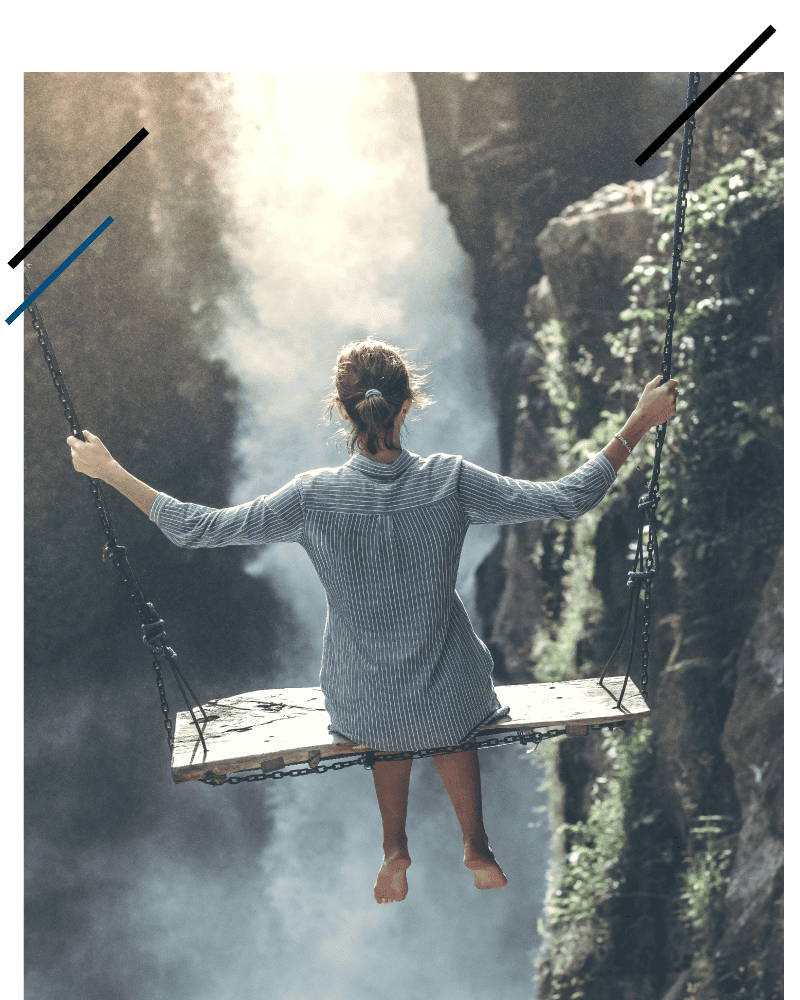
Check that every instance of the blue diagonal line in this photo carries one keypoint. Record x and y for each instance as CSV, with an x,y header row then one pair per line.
x,y
62,267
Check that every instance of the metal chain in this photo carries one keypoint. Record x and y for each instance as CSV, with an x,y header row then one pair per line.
x,y
152,626
370,758
647,511
648,565
677,251
645,639
162,694
117,553
111,550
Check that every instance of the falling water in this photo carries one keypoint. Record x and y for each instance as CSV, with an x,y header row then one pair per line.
x,y
336,235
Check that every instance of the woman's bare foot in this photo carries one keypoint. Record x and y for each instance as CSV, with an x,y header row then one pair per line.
x,y
486,873
391,885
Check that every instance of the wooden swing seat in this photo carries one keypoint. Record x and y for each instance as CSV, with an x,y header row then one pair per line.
x,y
269,730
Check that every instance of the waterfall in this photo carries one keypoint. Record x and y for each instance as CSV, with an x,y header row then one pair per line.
x,y
336,235
138,887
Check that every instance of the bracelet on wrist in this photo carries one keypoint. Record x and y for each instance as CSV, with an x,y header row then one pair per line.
x,y
619,437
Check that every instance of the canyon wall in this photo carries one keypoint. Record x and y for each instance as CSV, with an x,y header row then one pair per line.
x,y
667,878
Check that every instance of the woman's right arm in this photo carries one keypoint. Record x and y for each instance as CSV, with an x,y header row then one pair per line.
x,y
274,518
92,458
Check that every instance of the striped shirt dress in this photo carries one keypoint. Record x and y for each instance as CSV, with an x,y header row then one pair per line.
x,y
402,667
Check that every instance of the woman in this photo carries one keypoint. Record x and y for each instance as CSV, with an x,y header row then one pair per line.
x,y
402,668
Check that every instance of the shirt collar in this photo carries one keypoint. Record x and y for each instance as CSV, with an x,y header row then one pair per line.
x,y
383,471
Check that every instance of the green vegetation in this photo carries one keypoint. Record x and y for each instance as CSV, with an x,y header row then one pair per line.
x,y
553,340
594,847
723,452
553,647
707,876
721,473
722,458
589,873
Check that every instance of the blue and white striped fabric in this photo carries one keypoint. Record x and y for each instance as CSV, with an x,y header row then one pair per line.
x,y
402,667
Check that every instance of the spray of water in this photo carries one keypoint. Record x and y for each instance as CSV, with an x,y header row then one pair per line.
x,y
337,235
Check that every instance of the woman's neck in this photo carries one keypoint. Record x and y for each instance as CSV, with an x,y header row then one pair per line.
x,y
383,455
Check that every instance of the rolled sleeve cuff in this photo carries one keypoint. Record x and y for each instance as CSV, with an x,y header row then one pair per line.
x,y
157,506
602,461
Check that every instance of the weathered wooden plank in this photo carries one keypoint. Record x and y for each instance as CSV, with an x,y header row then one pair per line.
x,y
268,730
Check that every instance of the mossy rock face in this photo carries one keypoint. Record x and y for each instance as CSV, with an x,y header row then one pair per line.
x,y
753,744
586,256
591,329
745,113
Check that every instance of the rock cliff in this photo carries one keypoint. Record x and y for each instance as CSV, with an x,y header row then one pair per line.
x,y
667,879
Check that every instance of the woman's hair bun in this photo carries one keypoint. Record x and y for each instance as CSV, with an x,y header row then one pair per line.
x,y
381,373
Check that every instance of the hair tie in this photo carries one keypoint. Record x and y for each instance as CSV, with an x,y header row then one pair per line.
x,y
373,392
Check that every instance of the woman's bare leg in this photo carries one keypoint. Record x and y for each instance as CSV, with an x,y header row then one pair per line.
x,y
461,775
391,786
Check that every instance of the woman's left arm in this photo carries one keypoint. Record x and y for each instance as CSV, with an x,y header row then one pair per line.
x,y
92,458
656,405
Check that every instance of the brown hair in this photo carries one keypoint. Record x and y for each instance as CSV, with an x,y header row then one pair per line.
x,y
373,364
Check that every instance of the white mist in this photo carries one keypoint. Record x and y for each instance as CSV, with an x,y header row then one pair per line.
x,y
336,236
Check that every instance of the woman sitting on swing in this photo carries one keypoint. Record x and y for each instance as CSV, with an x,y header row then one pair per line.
x,y
402,668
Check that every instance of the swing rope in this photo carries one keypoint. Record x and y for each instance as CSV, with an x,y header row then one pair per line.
x,y
648,502
154,636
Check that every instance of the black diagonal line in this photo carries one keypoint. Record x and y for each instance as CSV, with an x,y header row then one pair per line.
x,y
59,217
685,115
